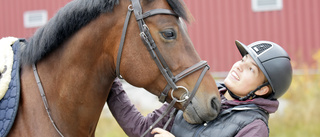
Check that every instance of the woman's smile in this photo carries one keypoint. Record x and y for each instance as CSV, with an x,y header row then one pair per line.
x,y
235,75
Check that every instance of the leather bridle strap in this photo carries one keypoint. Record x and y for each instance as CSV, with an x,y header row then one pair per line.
x,y
174,100
147,39
44,99
161,117
181,75
149,42
123,37
155,12
158,58
195,87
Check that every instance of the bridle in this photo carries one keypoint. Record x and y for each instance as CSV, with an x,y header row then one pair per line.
x,y
155,53
148,41
158,58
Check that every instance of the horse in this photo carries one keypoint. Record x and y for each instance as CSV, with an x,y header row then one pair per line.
x,y
68,66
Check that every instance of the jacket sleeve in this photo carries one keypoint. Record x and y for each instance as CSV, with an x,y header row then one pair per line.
x,y
255,129
128,117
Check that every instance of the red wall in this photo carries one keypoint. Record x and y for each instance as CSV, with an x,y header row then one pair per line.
x,y
218,23
11,15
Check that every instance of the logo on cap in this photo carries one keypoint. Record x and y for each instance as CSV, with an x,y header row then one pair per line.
x,y
261,48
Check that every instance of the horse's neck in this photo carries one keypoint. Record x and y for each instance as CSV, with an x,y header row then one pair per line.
x,y
77,78
78,66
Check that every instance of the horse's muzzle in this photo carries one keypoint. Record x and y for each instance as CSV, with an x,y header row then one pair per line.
x,y
197,113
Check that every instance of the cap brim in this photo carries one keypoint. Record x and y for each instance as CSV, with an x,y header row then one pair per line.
x,y
242,48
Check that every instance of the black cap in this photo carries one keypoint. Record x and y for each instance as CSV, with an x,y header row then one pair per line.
x,y
273,61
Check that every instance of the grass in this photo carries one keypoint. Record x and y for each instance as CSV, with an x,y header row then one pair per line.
x,y
108,126
301,117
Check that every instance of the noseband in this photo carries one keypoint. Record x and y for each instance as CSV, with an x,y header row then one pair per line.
x,y
158,58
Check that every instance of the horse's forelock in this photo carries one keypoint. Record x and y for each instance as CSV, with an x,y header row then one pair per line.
x,y
179,7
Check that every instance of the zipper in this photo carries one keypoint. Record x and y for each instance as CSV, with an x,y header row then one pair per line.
x,y
200,129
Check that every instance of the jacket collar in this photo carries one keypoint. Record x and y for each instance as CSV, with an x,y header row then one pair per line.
x,y
268,105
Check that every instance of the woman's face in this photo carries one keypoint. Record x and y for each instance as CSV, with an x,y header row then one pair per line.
x,y
244,76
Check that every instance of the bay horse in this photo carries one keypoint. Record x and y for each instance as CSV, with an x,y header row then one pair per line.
x,y
74,58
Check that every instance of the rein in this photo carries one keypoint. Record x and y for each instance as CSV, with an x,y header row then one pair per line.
x,y
44,99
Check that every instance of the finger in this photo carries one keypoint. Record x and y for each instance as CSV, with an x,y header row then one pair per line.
x,y
161,133
157,130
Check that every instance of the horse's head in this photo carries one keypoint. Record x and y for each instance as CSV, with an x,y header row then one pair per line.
x,y
75,58
172,69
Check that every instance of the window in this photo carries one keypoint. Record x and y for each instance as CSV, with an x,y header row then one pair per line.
x,y
266,5
36,18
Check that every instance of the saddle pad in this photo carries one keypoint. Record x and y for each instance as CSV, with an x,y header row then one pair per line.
x,y
6,61
10,102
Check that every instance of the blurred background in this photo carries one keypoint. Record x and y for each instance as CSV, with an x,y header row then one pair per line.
x,y
293,24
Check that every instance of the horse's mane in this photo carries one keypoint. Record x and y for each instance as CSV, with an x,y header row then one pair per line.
x,y
68,21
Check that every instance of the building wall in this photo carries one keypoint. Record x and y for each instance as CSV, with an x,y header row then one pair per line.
x,y
11,15
217,24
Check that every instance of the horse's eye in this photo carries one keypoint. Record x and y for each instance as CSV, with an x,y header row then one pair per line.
x,y
168,34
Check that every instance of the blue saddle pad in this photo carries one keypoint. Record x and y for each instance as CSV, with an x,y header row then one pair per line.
x,y
10,102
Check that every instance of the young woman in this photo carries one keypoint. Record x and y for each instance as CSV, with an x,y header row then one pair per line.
x,y
248,95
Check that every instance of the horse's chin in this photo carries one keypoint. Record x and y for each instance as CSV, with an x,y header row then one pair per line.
x,y
196,115
192,119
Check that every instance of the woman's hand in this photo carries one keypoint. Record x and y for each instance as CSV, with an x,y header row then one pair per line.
x,y
161,133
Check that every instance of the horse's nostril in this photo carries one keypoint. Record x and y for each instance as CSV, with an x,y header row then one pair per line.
x,y
215,104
